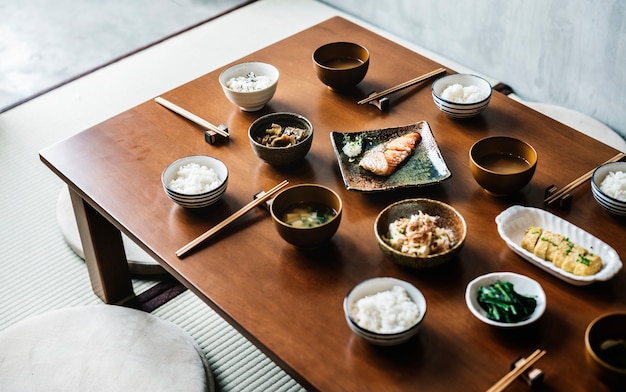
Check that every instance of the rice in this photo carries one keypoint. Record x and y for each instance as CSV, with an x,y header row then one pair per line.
x,y
463,94
389,311
614,185
193,178
248,83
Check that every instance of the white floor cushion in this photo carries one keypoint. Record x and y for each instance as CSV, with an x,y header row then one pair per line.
x,y
100,348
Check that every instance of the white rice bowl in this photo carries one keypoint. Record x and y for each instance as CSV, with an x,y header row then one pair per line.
x,y
463,94
608,187
391,309
194,178
614,185
195,181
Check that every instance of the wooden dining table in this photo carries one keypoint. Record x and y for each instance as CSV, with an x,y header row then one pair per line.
x,y
288,301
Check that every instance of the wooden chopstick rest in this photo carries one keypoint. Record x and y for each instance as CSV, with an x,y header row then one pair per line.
x,y
212,135
268,202
523,365
382,103
533,376
565,199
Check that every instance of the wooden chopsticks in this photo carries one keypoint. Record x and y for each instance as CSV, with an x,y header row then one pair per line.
x,y
577,182
208,234
190,116
402,86
520,369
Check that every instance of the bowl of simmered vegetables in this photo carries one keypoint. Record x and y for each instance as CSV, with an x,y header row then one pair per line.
x,y
307,215
281,138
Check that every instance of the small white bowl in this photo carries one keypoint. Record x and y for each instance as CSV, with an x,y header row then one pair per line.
x,y
250,101
457,109
522,285
374,286
609,203
197,200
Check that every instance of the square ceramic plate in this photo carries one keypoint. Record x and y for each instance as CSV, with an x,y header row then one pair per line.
x,y
424,167
513,222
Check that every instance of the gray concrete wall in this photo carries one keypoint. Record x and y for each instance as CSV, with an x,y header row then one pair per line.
x,y
570,53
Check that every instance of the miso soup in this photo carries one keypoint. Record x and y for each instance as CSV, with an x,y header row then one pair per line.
x,y
503,163
308,214
343,63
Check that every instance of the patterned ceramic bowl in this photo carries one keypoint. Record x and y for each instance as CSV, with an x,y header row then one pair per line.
x,y
457,104
182,179
608,199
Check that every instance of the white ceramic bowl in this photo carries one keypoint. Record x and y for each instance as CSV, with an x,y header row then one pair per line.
x,y
197,200
522,285
465,109
377,285
611,204
250,101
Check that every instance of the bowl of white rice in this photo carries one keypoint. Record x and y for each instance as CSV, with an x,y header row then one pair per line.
x,y
195,181
250,85
608,186
384,311
461,95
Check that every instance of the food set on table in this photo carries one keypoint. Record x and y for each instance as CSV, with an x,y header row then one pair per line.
x,y
416,233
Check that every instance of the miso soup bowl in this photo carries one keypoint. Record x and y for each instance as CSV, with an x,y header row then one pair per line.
x,y
341,65
306,237
605,344
502,165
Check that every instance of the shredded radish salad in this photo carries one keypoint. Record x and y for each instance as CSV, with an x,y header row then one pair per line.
x,y
420,235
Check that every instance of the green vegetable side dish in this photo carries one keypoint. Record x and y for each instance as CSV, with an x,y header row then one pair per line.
x,y
503,304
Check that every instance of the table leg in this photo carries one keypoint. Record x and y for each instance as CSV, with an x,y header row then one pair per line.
x,y
104,253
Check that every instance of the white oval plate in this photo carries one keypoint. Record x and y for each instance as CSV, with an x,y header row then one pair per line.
x,y
521,284
513,222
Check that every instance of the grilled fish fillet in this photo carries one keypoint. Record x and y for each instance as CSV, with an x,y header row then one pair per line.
x,y
385,158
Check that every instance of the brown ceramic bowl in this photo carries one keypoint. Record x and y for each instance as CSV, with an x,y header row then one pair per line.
x,y
306,195
502,165
280,155
605,343
448,218
341,65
